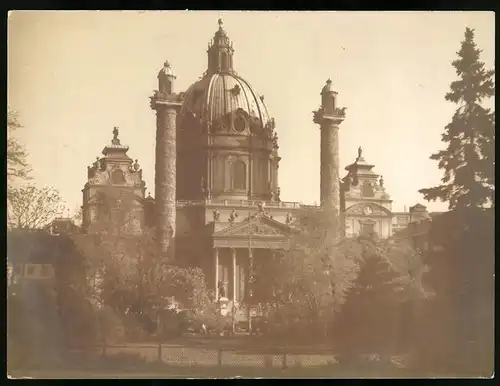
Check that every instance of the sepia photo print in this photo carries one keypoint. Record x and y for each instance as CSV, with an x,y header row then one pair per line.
x,y
206,194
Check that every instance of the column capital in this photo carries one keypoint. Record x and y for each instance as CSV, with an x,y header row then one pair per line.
x,y
162,99
323,119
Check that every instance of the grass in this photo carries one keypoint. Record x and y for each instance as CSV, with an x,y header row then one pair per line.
x,y
198,357
166,371
134,365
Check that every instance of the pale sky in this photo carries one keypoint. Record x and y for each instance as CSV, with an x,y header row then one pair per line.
x,y
72,76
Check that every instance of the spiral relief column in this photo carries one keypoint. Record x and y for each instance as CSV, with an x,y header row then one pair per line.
x,y
166,104
329,117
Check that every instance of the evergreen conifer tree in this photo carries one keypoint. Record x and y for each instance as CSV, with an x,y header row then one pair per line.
x,y
365,324
462,312
468,160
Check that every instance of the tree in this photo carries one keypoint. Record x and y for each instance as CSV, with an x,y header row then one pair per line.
x,y
17,164
31,207
126,269
457,325
366,323
307,284
466,232
469,159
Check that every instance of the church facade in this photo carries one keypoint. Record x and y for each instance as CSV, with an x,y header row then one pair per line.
x,y
217,197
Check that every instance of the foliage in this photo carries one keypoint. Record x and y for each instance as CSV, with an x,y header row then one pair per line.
x,y
468,161
31,207
110,326
368,317
17,164
306,285
127,271
410,268
460,319
319,283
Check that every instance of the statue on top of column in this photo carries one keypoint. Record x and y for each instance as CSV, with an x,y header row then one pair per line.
x,y
115,140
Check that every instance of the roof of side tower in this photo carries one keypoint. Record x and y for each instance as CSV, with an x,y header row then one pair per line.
x,y
221,90
328,87
167,69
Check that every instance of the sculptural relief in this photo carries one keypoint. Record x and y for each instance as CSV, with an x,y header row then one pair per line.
x,y
275,141
260,229
255,127
94,180
270,126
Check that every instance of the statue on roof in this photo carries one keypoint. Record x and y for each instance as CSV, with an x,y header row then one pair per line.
x,y
360,152
115,140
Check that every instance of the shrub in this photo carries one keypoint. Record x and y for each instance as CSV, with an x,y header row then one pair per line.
x,y
111,327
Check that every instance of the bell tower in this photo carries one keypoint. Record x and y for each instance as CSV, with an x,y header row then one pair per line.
x,y
329,117
166,104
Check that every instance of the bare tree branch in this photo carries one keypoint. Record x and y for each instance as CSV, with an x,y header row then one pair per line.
x,y
17,164
30,207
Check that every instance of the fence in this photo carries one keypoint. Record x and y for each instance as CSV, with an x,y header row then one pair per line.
x,y
209,356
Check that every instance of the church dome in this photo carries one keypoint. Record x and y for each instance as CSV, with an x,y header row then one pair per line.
x,y
217,96
221,95
227,146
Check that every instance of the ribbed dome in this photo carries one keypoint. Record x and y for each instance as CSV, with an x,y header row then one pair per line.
x,y
218,95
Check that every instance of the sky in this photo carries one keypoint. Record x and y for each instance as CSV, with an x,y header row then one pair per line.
x,y
74,75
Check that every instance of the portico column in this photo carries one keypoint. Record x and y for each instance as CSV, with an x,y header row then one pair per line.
x,y
216,262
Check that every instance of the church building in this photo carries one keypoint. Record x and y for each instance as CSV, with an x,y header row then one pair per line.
x,y
217,196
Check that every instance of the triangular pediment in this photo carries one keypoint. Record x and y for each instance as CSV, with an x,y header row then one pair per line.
x,y
257,226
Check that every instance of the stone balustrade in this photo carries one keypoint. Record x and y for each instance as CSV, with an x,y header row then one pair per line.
x,y
245,203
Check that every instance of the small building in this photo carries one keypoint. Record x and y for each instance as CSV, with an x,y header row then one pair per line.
x,y
365,203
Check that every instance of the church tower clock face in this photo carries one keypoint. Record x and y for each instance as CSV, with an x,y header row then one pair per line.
x,y
367,210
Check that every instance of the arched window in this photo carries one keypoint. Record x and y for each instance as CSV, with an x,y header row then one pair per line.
x,y
223,61
239,175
